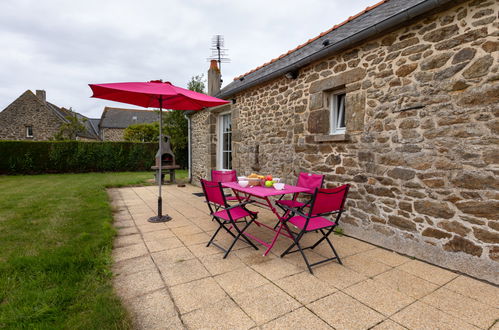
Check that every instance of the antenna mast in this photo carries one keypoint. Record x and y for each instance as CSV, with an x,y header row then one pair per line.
x,y
218,52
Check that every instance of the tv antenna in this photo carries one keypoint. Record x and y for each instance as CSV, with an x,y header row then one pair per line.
x,y
218,52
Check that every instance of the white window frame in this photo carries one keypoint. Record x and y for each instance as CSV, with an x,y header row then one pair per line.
x,y
27,131
220,164
335,112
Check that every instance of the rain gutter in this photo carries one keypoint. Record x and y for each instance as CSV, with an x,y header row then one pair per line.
x,y
372,31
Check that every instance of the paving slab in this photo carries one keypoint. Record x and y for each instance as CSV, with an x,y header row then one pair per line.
x,y
422,316
344,312
406,283
224,314
240,280
154,310
428,272
266,303
379,297
305,287
299,319
129,252
462,307
137,284
388,325
475,289
196,294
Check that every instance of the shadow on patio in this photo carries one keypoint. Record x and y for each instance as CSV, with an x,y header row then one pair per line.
x,y
167,278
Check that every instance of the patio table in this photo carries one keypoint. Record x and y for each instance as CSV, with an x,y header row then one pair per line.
x,y
260,195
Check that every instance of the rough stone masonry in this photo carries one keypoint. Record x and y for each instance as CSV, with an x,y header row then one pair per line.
x,y
421,144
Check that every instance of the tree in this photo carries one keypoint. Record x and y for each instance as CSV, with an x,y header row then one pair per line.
x,y
197,84
175,123
142,132
70,130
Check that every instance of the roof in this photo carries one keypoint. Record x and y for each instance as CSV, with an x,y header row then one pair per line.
x,y
122,118
90,132
372,21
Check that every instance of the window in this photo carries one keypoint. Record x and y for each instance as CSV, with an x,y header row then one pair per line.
x,y
29,131
225,144
337,103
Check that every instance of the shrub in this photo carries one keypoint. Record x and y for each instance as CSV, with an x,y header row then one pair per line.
x,y
30,157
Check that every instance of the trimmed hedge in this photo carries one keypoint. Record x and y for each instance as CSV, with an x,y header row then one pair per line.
x,y
30,157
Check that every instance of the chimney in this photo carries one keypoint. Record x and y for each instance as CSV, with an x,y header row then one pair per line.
x,y
41,95
214,78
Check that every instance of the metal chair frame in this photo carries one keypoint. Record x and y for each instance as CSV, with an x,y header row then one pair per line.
x,y
232,222
309,218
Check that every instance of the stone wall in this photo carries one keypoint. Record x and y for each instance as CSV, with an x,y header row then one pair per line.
x,y
421,144
28,110
203,145
112,134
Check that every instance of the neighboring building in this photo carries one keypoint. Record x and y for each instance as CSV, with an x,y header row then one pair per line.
x,y
114,121
402,102
32,117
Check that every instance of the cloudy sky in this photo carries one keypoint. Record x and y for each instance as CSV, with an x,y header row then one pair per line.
x,y
61,46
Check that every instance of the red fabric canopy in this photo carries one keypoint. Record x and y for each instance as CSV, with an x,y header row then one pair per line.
x,y
149,94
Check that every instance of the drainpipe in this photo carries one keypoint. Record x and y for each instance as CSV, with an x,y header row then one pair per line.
x,y
189,149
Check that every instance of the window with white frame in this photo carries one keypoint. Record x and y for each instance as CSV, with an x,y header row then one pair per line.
x,y
29,131
225,142
337,104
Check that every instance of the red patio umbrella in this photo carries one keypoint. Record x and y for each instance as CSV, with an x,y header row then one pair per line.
x,y
155,94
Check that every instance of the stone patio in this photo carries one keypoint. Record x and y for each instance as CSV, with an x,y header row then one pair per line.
x,y
168,279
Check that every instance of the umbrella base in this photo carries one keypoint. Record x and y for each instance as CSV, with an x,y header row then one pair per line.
x,y
163,218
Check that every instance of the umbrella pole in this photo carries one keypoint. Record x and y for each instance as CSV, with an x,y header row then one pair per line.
x,y
160,217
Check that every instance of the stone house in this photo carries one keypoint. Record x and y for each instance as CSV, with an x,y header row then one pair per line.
x,y
32,117
114,121
402,102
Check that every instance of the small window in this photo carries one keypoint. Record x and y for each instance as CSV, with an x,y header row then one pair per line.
x,y
29,131
337,103
134,118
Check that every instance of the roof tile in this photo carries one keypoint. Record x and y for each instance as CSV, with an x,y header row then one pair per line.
x,y
351,18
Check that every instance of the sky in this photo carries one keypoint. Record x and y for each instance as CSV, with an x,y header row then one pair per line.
x,y
61,46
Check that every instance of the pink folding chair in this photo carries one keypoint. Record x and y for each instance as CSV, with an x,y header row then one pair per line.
x,y
306,180
225,176
325,203
226,216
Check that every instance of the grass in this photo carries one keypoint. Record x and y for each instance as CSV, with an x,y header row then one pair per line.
x,y
55,251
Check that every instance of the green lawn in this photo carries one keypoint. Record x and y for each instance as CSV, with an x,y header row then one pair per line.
x,y
55,251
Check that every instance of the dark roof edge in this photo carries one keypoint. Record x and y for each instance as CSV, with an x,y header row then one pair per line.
x,y
373,30
215,108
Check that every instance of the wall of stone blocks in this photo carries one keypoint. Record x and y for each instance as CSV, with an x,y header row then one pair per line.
x,y
203,145
112,134
421,144
28,110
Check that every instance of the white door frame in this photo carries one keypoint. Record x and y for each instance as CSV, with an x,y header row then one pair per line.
x,y
220,139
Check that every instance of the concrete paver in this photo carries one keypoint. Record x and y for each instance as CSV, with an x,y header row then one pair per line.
x,y
422,316
406,283
169,279
224,314
305,288
266,303
344,312
379,297
197,294
299,319
459,306
240,280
